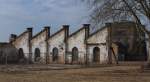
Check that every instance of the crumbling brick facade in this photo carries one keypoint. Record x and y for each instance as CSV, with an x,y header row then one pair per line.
x,y
80,47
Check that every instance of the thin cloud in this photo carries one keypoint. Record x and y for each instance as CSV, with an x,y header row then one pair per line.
x,y
19,14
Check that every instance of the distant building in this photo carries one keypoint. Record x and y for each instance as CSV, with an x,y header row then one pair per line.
x,y
131,42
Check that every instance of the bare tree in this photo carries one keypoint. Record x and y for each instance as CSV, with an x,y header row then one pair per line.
x,y
116,10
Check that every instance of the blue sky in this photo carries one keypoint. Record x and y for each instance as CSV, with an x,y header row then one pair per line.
x,y
17,15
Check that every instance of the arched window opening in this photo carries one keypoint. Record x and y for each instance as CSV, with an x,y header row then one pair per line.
x,y
21,53
37,54
75,54
55,54
96,54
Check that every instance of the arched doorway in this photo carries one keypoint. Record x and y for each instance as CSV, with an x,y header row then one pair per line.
x,y
122,52
37,54
20,53
96,55
75,54
55,54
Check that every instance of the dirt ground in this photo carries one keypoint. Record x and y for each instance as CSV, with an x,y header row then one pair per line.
x,y
97,74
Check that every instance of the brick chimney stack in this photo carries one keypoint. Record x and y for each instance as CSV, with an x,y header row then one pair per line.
x,y
47,28
12,37
87,30
66,28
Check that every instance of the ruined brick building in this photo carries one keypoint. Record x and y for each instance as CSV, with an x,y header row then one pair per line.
x,y
114,41
8,53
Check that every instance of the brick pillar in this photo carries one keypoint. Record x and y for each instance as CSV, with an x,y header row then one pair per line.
x,y
66,28
47,29
29,44
109,42
87,33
